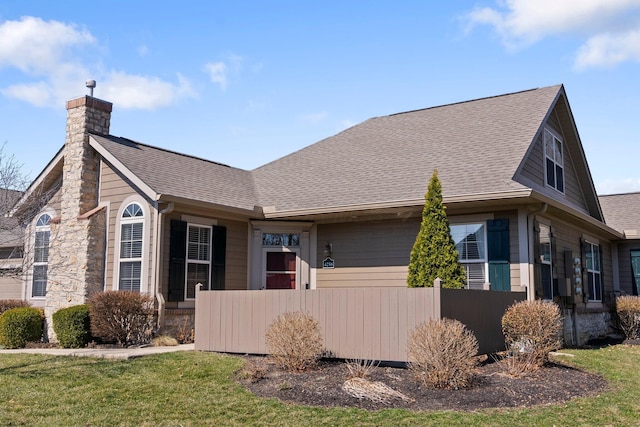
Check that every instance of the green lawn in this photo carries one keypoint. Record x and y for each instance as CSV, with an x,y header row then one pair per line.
x,y
190,388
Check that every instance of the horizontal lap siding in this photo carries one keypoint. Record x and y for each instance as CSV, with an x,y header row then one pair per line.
x,y
10,288
624,262
236,249
372,253
114,189
533,169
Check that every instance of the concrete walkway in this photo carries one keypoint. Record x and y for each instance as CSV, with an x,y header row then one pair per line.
x,y
105,353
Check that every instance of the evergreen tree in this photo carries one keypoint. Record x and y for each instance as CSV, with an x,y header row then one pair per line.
x,y
434,254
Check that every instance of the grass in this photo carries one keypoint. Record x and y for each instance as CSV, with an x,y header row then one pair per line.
x,y
191,389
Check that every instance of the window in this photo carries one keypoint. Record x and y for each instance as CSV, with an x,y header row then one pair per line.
x,y
470,241
554,161
280,239
131,244
546,276
198,258
594,277
41,256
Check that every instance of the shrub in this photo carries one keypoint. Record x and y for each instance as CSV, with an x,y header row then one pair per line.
x,y
442,353
8,304
532,329
20,325
294,341
123,317
72,326
628,311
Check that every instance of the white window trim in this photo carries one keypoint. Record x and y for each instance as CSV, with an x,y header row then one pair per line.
x,y
485,260
32,241
555,163
144,272
593,246
196,261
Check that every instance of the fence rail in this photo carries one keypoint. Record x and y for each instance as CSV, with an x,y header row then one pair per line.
x,y
366,323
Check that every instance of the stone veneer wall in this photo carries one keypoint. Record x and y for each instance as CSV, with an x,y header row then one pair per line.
x,y
76,248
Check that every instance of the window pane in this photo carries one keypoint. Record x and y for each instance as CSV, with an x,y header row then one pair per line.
x,y
131,240
548,145
132,211
475,275
551,173
199,243
39,283
545,243
280,239
130,276
558,152
197,273
43,220
559,178
41,247
547,282
469,240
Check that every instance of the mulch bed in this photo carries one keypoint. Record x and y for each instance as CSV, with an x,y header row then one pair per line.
x,y
492,387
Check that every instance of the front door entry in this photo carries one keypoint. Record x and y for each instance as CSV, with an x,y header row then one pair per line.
x,y
281,268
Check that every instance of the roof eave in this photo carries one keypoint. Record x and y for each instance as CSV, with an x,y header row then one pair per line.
x,y
273,213
256,212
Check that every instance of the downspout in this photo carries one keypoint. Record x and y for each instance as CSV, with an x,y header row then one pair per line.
x,y
530,216
159,296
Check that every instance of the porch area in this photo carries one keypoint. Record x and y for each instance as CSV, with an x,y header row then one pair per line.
x,y
365,323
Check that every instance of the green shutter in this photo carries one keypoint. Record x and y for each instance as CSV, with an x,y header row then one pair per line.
x,y
219,257
177,260
498,254
635,268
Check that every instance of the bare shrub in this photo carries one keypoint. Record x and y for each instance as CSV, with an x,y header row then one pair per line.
x,y
361,368
253,371
186,332
628,311
442,353
124,317
294,341
532,329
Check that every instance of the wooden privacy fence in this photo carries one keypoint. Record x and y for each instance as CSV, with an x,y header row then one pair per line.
x,y
365,323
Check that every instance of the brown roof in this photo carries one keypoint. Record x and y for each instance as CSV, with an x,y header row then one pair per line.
x,y
476,146
622,211
169,173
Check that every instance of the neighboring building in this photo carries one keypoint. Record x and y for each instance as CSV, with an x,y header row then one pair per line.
x,y
343,212
11,248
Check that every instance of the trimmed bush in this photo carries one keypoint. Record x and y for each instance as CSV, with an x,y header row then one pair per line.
x,y
294,341
126,318
442,353
8,304
532,329
20,325
628,311
72,326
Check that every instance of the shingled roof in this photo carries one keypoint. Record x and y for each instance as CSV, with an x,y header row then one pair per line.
x,y
476,146
178,175
622,212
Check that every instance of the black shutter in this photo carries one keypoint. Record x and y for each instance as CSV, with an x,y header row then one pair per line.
x,y
498,254
177,257
219,257
537,268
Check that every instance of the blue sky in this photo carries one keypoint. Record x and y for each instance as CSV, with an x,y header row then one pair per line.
x,y
246,82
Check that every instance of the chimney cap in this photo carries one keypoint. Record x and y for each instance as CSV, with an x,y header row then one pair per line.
x,y
90,84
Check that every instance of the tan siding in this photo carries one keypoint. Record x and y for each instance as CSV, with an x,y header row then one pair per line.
x,y
237,248
372,253
114,189
533,170
376,253
624,265
10,288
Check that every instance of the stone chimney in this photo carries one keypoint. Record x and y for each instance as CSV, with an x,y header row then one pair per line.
x,y
77,242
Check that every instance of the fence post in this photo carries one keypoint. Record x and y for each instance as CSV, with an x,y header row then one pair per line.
x,y
437,286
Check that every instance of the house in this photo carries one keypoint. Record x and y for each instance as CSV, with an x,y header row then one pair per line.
x,y
343,212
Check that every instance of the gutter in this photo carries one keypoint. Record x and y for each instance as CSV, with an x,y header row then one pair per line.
x,y
156,270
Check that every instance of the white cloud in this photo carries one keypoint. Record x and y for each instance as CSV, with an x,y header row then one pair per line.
x,y
51,53
606,50
616,186
610,26
143,92
37,47
217,73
